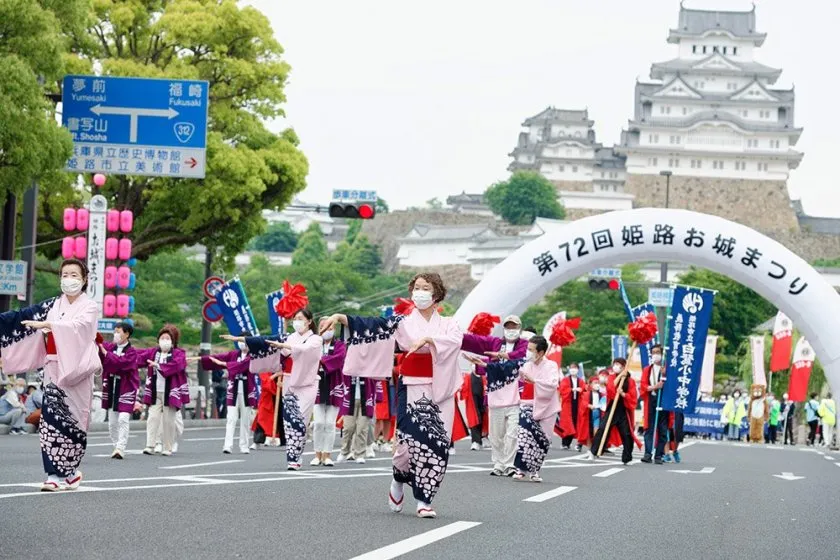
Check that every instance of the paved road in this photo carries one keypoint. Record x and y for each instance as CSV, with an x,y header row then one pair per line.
x,y
202,504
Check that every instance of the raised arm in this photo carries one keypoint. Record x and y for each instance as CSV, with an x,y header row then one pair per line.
x,y
116,364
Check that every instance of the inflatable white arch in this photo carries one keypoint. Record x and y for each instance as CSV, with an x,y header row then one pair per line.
x,y
651,234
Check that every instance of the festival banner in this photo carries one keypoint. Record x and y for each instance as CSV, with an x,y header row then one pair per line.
x,y
274,320
235,309
689,318
757,354
707,374
619,346
782,343
800,373
706,420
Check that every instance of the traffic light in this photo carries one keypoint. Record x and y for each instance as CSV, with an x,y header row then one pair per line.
x,y
603,284
353,211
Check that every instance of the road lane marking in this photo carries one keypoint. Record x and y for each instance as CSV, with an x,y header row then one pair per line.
x,y
608,472
416,542
203,464
559,491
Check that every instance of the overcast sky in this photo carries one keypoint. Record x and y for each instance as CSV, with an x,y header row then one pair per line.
x,y
418,100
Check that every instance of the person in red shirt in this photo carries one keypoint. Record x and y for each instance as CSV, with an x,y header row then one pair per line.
x,y
623,388
656,425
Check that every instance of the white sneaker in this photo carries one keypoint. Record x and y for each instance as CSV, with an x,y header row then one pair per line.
x,y
245,451
253,446
370,453
316,462
341,458
227,451
452,451
166,453
387,448
396,496
486,445
175,447
117,454
375,446
475,447
158,448
360,461
328,462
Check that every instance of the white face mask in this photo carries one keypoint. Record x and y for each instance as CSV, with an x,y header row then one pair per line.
x,y
328,336
573,372
736,396
617,368
422,299
529,356
596,388
300,326
19,390
657,358
165,345
242,346
511,334
602,378
71,286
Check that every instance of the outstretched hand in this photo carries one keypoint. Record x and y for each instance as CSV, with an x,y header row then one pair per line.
x,y
418,345
328,323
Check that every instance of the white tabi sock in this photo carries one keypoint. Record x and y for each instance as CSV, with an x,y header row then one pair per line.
x,y
396,490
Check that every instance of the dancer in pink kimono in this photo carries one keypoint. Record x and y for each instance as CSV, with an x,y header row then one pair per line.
x,y
299,357
70,358
429,379
538,410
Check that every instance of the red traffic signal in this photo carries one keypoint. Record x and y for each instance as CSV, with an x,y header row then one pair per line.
x,y
357,211
614,285
604,284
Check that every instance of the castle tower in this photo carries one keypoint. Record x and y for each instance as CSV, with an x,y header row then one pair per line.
x,y
713,119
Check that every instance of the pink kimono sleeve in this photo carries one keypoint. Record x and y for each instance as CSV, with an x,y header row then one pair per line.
x,y
370,346
23,349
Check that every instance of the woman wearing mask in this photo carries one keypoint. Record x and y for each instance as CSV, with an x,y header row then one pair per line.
x,y
571,387
298,355
166,388
539,407
430,377
331,388
70,358
241,397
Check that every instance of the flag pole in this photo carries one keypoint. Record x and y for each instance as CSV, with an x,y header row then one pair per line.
x,y
664,340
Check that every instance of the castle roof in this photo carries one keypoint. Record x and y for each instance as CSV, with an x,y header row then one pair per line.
x,y
550,114
716,64
699,23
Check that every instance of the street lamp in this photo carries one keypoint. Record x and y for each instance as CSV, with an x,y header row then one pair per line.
x,y
663,268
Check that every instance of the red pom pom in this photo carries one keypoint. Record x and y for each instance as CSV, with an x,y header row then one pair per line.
x,y
643,329
562,334
403,306
294,299
482,324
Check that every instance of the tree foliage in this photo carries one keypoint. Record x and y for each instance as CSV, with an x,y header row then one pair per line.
x,y
602,314
524,197
33,40
248,167
382,206
311,247
278,238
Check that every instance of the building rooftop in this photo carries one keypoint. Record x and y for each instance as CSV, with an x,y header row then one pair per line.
x,y
697,23
719,116
427,232
550,114
727,66
465,198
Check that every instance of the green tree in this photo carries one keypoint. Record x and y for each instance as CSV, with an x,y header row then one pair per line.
x,y
33,43
524,197
382,206
737,311
279,238
602,314
248,167
434,204
311,247
353,230
364,257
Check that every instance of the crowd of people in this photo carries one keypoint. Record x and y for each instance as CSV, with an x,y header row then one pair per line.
x,y
411,384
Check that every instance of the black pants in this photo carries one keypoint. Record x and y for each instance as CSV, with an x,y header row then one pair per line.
x,y
567,440
657,424
477,387
789,431
812,434
772,432
622,424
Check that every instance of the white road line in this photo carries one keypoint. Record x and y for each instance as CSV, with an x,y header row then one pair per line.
x,y
689,444
205,439
608,472
203,464
829,457
838,464
418,541
559,491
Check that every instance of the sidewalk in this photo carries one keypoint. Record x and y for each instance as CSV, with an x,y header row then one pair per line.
x,y
100,427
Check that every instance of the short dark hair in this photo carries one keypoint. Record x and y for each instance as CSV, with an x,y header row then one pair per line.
x,y
433,278
173,333
530,329
540,343
656,347
82,266
621,361
125,327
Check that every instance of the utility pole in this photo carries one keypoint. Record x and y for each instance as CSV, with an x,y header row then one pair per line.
x,y
663,269
206,328
7,241
30,238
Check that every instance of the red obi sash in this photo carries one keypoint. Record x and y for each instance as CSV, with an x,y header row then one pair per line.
x,y
287,365
527,392
416,365
51,348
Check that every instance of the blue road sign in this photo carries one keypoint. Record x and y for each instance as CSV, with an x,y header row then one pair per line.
x,y
106,325
136,126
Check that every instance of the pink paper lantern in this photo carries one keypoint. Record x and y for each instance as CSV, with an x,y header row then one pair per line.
x,y
68,248
99,179
112,248
69,219
126,221
80,247
82,218
110,277
113,220
109,305
122,305
123,277
125,249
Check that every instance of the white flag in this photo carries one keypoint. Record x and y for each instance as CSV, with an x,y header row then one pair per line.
x,y
707,375
757,350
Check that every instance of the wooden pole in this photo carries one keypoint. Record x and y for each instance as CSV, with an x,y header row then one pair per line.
x,y
608,426
277,405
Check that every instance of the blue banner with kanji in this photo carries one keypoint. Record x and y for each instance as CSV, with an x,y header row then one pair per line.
x,y
691,314
619,346
274,320
236,311
644,349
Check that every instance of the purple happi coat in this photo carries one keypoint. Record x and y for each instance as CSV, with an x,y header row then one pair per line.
x,y
237,365
333,381
369,392
120,378
174,369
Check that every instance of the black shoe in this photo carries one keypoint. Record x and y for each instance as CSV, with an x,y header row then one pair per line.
x,y
658,461
646,459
